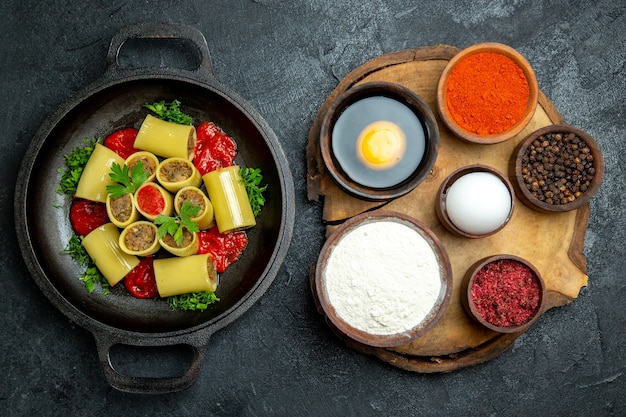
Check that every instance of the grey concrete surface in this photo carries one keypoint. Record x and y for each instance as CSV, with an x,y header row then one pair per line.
x,y
280,359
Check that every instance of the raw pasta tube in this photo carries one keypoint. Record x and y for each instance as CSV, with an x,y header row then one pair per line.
x,y
149,161
166,139
122,210
230,199
204,219
102,245
176,173
95,177
175,276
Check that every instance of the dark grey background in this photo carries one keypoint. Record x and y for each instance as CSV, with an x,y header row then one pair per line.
x,y
280,359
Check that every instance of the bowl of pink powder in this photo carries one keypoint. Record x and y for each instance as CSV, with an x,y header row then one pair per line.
x,y
383,279
504,293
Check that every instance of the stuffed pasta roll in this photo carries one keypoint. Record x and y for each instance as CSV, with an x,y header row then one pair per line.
x,y
204,219
166,139
95,177
230,199
188,246
175,276
140,238
176,173
122,210
148,160
102,245
151,200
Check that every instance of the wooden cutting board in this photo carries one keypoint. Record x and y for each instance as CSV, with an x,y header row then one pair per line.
x,y
552,242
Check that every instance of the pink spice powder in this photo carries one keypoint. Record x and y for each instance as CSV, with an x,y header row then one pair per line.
x,y
506,293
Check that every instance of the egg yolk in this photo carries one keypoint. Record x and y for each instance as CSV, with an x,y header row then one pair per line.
x,y
381,145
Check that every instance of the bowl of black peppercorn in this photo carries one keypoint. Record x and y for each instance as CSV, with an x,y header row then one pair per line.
x,y
557,168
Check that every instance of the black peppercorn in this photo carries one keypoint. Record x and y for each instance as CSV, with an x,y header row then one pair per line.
x,y
558,168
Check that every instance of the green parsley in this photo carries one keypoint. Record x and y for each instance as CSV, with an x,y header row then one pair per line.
x,y
170,112
74,165
70,175
127,181
175,225
77,252
252,178
92,275
192,301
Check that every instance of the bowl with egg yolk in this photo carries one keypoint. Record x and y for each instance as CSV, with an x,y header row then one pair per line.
x,y
379,140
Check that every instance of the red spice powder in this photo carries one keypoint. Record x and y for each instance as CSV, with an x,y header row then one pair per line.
x,y
487,93
506,293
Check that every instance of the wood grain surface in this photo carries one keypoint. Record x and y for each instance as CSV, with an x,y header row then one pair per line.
x,y
552,242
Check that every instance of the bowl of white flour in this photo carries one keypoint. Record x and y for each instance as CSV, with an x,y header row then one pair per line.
x,y
383,279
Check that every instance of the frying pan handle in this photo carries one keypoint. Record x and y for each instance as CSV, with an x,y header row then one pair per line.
x,y
159,30
150,385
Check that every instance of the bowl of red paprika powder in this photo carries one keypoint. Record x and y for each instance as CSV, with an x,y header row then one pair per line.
x,y
504,293
487,93
557,168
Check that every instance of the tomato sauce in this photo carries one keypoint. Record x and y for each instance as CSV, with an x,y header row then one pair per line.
x,y
214,148
150,200
121,142
223,248
86,215
140,282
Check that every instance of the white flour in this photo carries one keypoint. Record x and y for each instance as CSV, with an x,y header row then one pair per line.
x,y
382,278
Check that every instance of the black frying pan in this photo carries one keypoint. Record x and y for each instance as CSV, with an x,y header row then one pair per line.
x,y
43,228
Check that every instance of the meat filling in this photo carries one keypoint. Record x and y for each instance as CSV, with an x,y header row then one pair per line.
x,y
149,165
194,197
175,171
122,207
140,237
191,143
187,239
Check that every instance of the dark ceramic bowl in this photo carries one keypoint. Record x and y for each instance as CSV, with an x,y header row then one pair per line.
x,y
577,191
440,204
407,98
384,336
500,296
473,137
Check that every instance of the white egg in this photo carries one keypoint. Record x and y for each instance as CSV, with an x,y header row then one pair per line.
x,y
478,203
